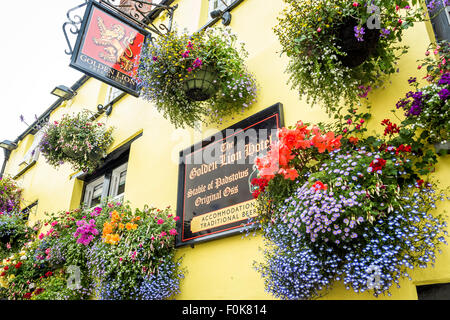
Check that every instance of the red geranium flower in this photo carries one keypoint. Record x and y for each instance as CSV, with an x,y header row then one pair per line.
x,y
377,164
318,185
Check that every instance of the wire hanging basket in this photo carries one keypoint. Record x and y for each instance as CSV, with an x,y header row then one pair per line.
x,y
200,85
356,51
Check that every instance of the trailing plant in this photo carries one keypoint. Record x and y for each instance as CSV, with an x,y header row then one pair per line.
x,y
76,140
13,232
340,50
108,252
134,259
196,77
427,108
351,209
10,195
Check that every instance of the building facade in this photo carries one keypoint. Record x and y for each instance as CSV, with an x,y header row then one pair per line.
x,y
142,165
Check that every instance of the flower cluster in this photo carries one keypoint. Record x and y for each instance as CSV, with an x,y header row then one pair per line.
x,y
10,195
287,155
142,253
427,109
196,77
338,47
76,140
373,256
391,128
139,264
86,231
358,213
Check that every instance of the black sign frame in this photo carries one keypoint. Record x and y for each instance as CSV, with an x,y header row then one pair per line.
x,y
81,39
276,111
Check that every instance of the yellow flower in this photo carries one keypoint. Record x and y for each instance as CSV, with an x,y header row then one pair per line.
x,y
3,283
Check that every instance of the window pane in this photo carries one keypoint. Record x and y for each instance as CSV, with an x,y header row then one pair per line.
x,y
122,179
97,195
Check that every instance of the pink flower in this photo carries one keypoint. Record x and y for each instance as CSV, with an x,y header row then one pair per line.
x,y
173,232
185,54
160,221
41,236
54,223
162,234
355,4
176,218
319,29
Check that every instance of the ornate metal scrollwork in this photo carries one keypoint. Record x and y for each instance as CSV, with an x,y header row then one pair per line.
x,y
73,25
136,10
139,11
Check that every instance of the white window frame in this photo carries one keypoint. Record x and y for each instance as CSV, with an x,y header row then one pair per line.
x,y
90,189
111,94
33,152
115,179
218,4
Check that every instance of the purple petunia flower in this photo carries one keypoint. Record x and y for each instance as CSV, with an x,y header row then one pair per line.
x,y
444,94
359,32
445,79
384,33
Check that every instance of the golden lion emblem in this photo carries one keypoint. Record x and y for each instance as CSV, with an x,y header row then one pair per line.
x,y
116,44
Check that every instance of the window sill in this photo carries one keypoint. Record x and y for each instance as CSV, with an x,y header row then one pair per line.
x,y
21,172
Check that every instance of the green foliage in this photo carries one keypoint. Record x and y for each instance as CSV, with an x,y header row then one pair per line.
x,y
310,35
170,61
10,195
77,140
120,253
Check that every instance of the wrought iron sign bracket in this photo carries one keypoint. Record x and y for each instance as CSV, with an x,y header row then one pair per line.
x,y
136,11
73,25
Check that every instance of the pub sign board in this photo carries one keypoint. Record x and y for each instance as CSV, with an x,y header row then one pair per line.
x,y
214,178
108,48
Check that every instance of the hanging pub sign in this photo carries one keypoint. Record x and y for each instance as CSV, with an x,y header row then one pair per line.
x,y
214,183
108,48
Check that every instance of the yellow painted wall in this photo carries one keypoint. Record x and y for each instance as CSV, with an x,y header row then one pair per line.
x,y
220,269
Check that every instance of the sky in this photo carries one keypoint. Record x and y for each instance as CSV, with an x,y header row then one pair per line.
x,y
32,61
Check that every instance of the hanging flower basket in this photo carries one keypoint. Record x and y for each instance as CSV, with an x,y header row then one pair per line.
x,y
200,85
336,209
76,140
196,77
340,50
